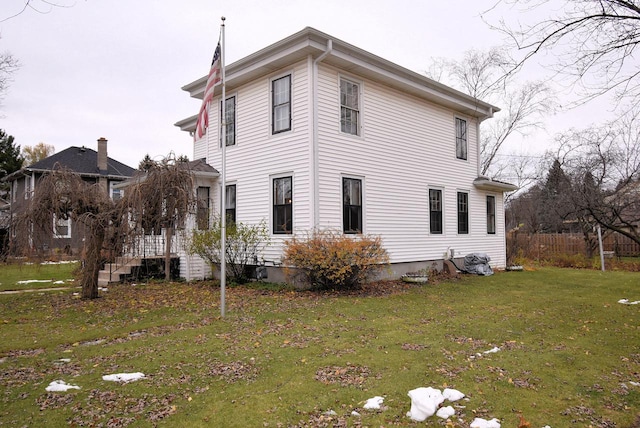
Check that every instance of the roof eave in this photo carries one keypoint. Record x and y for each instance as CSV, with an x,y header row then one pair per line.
x,y
486,183
347,57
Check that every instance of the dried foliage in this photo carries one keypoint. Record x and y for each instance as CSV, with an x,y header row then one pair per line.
x,y
160,198
243,245
63,194
329,259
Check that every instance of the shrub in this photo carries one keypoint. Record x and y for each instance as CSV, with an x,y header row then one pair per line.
x,y
244,243
329,259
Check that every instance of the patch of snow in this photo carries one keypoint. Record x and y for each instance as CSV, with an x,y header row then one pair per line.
x,y
634,383
627,302
58,282
123,377
30,281
60,386
62,262
374,403
452,394
330,413
483,423
445,412
354,413
492,351
424,403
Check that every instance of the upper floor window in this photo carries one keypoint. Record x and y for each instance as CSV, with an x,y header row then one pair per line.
x,y
230,121
463,213
230,203
61,227
491,214
435,211
202,207
352,205
281,104
461,138
282,205
349,107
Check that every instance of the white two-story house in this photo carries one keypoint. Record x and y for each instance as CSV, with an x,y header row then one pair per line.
x,y
321,134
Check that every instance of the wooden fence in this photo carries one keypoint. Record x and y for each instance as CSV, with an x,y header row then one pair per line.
x,y
545,245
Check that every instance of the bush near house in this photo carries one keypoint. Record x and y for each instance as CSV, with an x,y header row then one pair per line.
x,y
243,244
329,259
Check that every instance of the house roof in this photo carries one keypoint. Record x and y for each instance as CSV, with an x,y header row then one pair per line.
x,y
81,160
342,55
198,167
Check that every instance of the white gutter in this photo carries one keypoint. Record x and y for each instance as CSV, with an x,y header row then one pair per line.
x,y
315,176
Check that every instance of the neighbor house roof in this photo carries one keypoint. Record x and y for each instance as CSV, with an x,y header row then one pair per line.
x,y
312,43
198,167
80,160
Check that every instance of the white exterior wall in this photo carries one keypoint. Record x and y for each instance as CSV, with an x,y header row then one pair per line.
x,y
258,156
406,146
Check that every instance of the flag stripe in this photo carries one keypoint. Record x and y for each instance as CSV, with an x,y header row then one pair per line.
x,y
214,78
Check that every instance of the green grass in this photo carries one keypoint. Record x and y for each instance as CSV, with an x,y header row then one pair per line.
x,y
568,353
12,274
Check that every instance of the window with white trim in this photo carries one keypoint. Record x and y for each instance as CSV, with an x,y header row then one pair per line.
x,y
282,205
281,104
115,194
435,211
230,202
463,213
349,107
61,227
461,138
230,121
491,215
203,207
351,205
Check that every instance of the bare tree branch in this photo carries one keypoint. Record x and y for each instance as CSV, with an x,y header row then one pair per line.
x,y
592,43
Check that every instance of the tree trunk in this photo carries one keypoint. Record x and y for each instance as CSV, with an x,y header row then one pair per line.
x,y
92,262
167,254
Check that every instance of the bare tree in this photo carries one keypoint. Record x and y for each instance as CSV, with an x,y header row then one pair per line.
x,y
604,165
590,42
39,6
481,75
62,194
8,65
161,198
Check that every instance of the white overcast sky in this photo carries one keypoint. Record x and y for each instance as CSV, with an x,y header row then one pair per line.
x,y
114,68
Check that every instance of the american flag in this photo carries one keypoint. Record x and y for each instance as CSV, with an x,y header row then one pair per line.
x,y
214,78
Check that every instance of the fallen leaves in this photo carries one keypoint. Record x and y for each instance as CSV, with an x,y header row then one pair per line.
x,y
351,375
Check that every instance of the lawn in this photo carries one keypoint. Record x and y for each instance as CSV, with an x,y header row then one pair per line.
x,y
36,275
568,354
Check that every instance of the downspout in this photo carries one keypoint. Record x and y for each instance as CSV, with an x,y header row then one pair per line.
x,y
315,177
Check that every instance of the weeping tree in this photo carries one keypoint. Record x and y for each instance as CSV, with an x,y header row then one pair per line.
x,y
160,198
62,195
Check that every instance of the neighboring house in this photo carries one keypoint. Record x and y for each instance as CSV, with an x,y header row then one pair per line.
x,y
321,134
92,166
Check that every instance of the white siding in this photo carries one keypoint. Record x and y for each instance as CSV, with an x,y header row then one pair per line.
x,y
258,155
406,146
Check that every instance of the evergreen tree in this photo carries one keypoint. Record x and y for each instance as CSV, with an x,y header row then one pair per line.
x,y
554,205
10,157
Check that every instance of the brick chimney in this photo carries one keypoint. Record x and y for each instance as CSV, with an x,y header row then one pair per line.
x,y
102,154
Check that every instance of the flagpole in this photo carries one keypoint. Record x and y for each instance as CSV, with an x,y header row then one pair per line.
x,y
223,231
